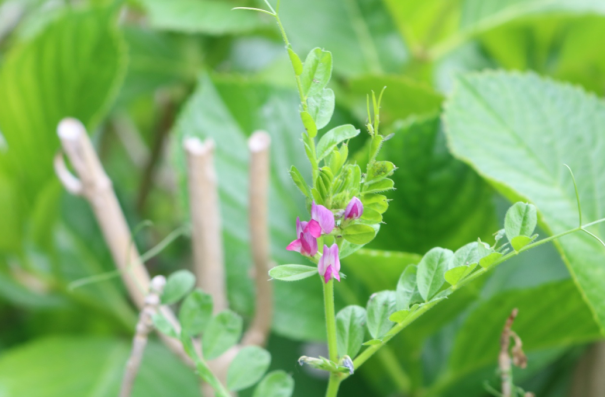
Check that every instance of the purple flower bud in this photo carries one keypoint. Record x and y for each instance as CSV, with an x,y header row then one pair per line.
x,y
324,217
329,263
307,233
354,209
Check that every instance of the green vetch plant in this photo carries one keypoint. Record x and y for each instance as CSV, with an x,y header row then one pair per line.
x,y
346,207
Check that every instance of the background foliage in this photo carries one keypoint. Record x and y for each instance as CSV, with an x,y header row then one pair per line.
x,y
487,99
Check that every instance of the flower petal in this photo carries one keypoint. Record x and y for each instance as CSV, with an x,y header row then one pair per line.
x,y
328,274
295,245
309,244
312,227
354,209
324,216
322,264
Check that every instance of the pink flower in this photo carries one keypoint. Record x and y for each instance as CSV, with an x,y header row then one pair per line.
x,y
329,263
324,217
307,233
354,209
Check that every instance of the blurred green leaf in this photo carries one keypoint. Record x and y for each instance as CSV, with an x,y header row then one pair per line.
x,y
440,200
380,307
360,34
321,107
177,286
215,17
195,312
350,330
162,324
431,271
72,68
223,332
497,119
87,366
248,367
359,234
521,220
292,272
275,384
402,97
545,320
407,288
228,111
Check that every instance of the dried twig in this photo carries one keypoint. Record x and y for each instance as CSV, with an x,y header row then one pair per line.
x,y
144,327
96,187
259,144
206,221
505,362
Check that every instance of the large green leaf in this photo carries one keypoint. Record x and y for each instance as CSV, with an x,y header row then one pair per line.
x,y
360,34
228,112
517,131
439,200
72,68
545,321
214,17
87,367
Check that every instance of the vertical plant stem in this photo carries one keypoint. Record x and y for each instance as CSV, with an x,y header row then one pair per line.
x,y
333,385
330,320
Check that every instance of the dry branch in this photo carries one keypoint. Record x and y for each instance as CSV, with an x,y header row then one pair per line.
x,y
259,145
94,184
144,327
206,221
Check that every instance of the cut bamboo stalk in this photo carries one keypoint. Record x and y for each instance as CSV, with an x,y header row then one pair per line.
x,y
206,221
94,184
259,145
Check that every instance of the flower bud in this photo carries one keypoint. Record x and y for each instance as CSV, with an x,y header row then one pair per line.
x,y
354,209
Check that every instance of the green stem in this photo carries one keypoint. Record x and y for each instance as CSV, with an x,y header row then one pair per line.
x,y
203,370
333,385
330,320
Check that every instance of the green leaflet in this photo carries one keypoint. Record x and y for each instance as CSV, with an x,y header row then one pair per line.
x,y
431,271
350,330
248,367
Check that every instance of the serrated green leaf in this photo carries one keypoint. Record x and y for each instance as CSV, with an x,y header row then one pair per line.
x,y
375,146
359,234
223,332
195,313
521,220
336,135
379,308
292,272
377,202
309,124
488,131
350,330
431,271
275,384
163,325
316,73
321,107
248,367
296,62
407,289
177,286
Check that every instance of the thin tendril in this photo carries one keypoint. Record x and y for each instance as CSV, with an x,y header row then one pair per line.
x,y
575,186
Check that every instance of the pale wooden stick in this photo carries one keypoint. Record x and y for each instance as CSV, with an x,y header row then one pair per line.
x,y
504,360
259,145
144,327
96,187
206,221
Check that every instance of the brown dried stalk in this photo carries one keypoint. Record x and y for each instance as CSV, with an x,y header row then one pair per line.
x,y
144,327
505,362
94,184
206,221
259,145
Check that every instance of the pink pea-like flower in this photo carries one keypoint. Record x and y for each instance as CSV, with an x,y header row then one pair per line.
x,y
354,209
307,233
324,217
329,263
